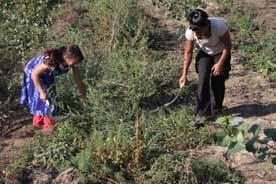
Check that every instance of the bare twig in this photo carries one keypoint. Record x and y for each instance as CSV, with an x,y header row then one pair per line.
x,y
112,181
139,143
18,124
114,83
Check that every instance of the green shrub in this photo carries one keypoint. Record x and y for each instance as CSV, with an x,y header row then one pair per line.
x,y
21,161
58,150
167,133
84,164
24,24
169,168
213,171
180,168
123,88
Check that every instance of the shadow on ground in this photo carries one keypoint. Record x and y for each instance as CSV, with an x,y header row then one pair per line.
x,y
251,110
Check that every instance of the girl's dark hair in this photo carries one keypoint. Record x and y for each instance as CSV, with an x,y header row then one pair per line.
x,y
54,56
197,19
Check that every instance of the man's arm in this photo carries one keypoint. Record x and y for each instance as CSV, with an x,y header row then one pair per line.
x,y
217,68
188,54
227,49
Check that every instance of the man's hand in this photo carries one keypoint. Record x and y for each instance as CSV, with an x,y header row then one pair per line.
x,y
217,69
182,81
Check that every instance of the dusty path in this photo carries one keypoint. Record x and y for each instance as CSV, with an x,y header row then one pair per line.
x,y
266,12
251,96
16,132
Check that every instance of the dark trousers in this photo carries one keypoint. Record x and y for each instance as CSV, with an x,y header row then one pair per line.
x,y
211,89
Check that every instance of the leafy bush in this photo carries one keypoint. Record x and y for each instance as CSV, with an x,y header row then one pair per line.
x,y
124,90
23,160
170,168
180,168
213,171
83,162
238,138
59,150
24,24
164,134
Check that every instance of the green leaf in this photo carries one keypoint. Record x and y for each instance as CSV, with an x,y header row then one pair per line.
x,y
223,120
265,140
262,154
235,147
251,145
219,136
274,161
240,137
271,133
235,131
255,129
226,141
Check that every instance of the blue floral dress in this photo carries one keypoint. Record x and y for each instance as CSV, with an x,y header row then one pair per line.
x,y
29,93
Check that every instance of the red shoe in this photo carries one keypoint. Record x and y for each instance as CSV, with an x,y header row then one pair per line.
x,y
48,123
37,120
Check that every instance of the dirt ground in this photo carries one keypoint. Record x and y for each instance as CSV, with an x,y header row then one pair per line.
x,y
266,12
16,132
251,96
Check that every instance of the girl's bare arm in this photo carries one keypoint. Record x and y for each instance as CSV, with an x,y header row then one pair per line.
x,y
38,70
79,82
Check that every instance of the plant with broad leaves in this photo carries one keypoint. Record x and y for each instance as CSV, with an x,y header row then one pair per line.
x,y
237,139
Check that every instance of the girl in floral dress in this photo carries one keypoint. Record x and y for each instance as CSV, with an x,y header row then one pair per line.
x,y
38,91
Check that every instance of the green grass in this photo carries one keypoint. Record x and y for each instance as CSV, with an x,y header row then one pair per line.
x,y
253,41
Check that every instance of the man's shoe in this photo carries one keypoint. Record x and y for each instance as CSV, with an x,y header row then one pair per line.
x,y
199,122
217,112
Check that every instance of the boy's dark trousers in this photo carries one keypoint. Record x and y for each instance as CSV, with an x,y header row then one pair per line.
x,y
211,89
